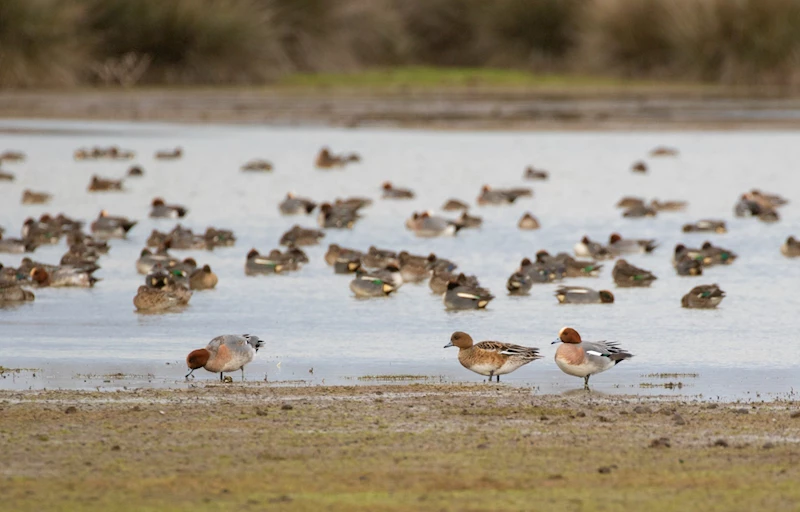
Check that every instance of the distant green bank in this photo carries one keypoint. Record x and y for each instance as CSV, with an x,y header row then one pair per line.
x,y
58,43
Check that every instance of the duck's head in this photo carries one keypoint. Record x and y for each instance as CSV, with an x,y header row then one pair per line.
x,y
568,335
387,185
526,262
39,275
158,202
484,189
460,339
542,255
614,238
197,359
585,240
606,297
252,254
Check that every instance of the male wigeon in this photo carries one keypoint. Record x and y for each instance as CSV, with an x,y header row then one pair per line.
x,y
583,295
705,296
585,358
64,276
294,205
628,276
706,226
491,358
226,353
620,245
392,192
791,248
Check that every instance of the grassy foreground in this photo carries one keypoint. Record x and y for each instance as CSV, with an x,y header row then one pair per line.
x,y
411,447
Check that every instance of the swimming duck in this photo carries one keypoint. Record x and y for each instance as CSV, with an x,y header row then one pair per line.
x,y
619,245
12,156
11,293
414,268
346,265
294,205
428,226
354,204
336,253
166,154
519,283
717,255
583,295
27,265
378,258
791,248
639,211
577,268
454,205
63,277
219,237
768,200
31,197
98,184
162,210
705,296
706,226
528,222
257,264
135,171
435,263
668,206
16,245
301,236
534,174
460,297
626,275
257,165
630,202
682,252
538,272
335,217
663,151
440,279
491,358
392,192
585,358
555,266
226,353
10,275
469,221
688,266
327,160
108,226
367,285
639,166
6,176
768,215
586,248
152,300
203,279
147,260
40,233
490,196
389,274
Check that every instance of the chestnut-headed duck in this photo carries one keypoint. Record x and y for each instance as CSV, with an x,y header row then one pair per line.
x,y
706,226
628,276
226,353
491,358
619,245
392,192
583,295
705,296
294,205
586,358
107,226
161,210
66,276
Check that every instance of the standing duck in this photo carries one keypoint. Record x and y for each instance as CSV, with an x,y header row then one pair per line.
x,y
585,358
226,353
491,358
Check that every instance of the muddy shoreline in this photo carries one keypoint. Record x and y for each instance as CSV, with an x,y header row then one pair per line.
x,y
422,447
458,109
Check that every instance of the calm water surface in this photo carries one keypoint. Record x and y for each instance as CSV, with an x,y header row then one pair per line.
x,y
747,348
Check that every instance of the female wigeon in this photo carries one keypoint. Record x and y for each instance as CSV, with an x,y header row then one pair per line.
x,y
584,358
705,296
491,358
454,205
226,353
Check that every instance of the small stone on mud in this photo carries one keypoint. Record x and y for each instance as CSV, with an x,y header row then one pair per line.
x,y
712,406
115,448
379,392
287,407
543,418
661,442
678,419
795,414
580,414
603,419
721,443
555,477
136,408
741,411
604,470
71,410
768,446
642,409
261,412
482,446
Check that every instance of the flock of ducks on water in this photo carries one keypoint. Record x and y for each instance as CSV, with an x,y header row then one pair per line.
x,y
376,272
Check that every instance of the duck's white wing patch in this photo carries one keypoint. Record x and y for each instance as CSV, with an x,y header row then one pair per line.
x,y
263,261
594,353
465,295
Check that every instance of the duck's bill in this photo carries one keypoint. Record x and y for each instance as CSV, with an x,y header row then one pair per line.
x,y
557,340
449,345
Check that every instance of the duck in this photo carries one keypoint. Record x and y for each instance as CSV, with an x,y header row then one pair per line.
x,y
427,225
491,358
331,216
639,166
639,211
578,268
226,353
469,221
203,279
414,268
13,293
12,156
16,245
687,266
327,160
532,173
791,248
377,258
583,295
706,226
148,259
620,245
10,275
169,154
584,358
300,236
257,264
346,265
27,265
705,296
460,297
440,279
107,226
294,205
586,248
336,253
490,196
367,285
65,276
161,210
519,283
257,165
31,197
452,205
628,276
630,202
41,233
528,222
152,300
663,151
668,206
392,192
389,274
717,255
98,184
219,237
135,171
6,176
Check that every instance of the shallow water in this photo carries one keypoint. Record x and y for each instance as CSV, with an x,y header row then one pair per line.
x,y
80,338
